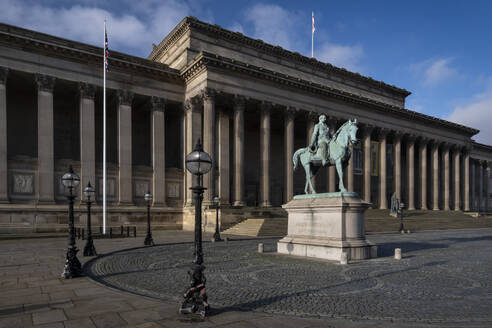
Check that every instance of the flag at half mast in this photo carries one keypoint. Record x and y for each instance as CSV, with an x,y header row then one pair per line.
x,y
312,35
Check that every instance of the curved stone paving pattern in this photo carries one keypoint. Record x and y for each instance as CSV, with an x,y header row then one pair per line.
x,y
444,277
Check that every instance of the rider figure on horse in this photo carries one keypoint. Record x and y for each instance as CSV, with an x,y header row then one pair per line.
x,y
320,139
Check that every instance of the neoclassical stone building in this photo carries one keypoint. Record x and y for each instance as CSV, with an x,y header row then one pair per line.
x,y
251,103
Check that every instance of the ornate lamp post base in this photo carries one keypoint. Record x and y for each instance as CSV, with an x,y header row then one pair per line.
x,y
89,249
73,268
195,298
149,241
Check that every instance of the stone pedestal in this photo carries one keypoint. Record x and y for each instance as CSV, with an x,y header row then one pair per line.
x,y
325,225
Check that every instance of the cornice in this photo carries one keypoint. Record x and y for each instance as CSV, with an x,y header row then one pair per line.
x,y
36,42
217,31
205,60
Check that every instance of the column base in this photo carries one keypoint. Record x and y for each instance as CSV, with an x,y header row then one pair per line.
x,y
239,203
424,208
266,204
126,204
411,208
435,209
45,202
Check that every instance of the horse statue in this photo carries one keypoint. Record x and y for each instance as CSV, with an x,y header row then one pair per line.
x,y
338,155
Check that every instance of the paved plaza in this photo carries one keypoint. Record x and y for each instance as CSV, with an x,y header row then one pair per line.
x,y
444,280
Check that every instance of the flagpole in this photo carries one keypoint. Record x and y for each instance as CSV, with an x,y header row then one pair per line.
x,y
312,35
104,131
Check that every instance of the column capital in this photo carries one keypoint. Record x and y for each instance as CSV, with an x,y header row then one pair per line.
x,y
157,104
366,129
239,101
291,112
87,90
266,106
397,135
45,82
434,144
191,104
383,133
423,141
125,97
411,138
312,116
4,72
208,94
445,146
457,148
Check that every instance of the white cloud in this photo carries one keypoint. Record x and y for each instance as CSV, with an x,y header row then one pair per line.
x,y
477,113
278,26
342,56
236,27
148,22
273,24
435,72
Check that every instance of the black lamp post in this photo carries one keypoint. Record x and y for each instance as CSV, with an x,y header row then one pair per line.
x,y
217,228
148,239
89,249
198,163
73,268
400,215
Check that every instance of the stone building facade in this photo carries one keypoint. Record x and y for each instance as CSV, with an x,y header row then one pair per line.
x,y
251,103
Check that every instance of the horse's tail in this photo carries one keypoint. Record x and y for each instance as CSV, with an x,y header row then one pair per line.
x,y
296,156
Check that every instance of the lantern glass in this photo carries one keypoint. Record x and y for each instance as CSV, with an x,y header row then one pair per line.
x,y
70,179
216,200
89,191
198,162
148,196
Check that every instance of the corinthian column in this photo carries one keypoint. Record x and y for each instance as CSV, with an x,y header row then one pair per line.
x,y
411,172
383,201
466,162
350,170
265,153
457,186
87,135
208,96
158,151
486,174
480,186
224,163
435,175
446,184
312,119
239,104
366,140
46,157
289,153
4,197
193,120
397,167
125,99
423,173
332,168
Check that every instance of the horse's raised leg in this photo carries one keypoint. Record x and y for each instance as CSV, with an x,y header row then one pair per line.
x,y
340,175
307,167
306,190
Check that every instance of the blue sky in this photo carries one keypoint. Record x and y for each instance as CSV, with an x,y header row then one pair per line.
x,y
438,50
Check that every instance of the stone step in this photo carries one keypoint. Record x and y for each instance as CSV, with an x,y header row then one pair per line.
x,y
259,227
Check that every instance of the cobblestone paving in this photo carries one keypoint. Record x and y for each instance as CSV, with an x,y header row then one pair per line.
x,y
444,278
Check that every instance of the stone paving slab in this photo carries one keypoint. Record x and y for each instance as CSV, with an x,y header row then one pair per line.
x,y
32,294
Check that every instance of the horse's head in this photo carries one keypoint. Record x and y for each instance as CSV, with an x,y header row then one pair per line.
x,y
352,131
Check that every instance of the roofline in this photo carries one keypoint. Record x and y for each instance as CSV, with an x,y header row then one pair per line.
x,y
67,48
481,145
189,22
205,59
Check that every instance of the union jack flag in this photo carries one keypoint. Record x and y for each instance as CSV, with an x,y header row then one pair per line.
x,y
106,51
